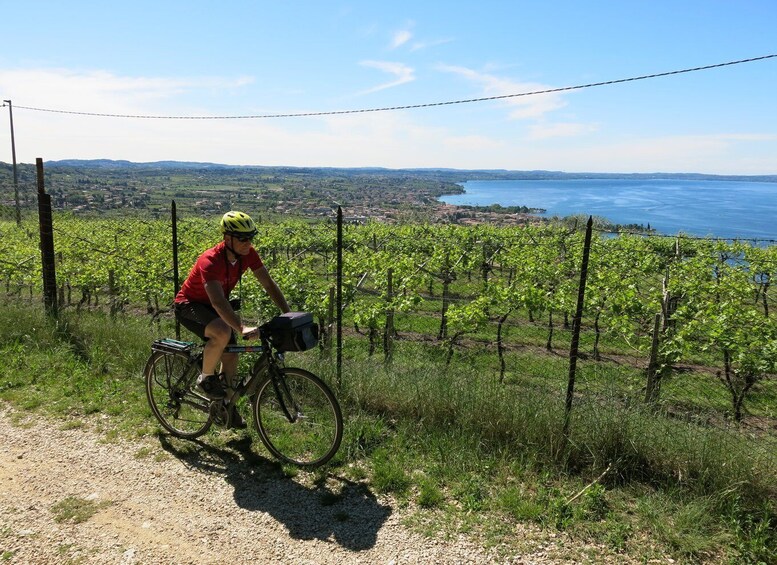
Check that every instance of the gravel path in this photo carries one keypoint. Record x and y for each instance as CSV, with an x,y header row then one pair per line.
x,y
206,505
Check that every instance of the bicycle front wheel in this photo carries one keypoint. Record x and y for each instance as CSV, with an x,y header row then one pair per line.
x,y
170,381
298,418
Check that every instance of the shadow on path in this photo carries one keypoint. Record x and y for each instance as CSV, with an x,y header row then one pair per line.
x,y
332,508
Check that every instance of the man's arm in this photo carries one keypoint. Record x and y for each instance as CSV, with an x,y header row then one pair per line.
x,y
269,284
222,306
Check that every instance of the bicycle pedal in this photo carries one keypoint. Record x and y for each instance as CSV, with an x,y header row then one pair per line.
x,y
220,413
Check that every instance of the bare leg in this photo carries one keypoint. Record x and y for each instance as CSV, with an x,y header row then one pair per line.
x,y
218,334
229,366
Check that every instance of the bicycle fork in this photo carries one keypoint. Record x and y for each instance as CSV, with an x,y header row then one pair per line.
x,y
285,397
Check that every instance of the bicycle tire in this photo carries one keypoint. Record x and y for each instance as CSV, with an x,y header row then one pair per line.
x,y
170,380
304,429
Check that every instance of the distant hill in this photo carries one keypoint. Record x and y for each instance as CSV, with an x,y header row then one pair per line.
x,y
121,164
447,174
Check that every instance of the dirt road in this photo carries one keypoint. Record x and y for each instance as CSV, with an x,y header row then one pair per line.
x,y
154,502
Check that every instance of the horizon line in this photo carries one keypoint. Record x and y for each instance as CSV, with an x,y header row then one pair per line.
x,y
377,167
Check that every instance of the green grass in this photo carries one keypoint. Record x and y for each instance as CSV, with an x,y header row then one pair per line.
x,y
76,510
470,454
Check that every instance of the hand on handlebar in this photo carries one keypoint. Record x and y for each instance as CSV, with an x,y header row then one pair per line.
x,y
250,332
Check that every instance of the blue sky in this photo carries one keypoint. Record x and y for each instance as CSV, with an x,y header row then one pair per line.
x,y
232,58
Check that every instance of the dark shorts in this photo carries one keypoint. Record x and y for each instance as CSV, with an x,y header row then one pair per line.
x,y
194,316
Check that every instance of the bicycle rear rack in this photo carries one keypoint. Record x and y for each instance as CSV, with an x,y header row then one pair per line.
x,y
168,345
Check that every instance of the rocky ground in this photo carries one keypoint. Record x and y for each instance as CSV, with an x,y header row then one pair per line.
x,y
153,502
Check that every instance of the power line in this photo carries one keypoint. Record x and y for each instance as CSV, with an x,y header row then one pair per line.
x,y
407,107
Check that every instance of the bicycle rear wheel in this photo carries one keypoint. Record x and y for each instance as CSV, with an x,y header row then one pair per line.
x,y
298,418
170,381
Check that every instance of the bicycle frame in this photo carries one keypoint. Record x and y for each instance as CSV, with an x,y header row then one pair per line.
x,y
266,362
172,346
295,413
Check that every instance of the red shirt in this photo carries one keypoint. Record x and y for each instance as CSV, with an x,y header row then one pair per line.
x,y
213,265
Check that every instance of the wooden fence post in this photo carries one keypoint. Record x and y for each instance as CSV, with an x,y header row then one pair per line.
x,y
46,244
388,331
330,322
176,283
339,362
573,349
651,389
446,281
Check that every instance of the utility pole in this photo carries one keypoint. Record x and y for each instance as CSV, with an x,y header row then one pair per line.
x,y
15,175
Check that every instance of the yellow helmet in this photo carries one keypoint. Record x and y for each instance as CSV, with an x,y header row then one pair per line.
x,y
238,223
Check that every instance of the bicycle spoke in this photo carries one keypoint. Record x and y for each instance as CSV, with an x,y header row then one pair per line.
x,y
298,418
169,378
295,412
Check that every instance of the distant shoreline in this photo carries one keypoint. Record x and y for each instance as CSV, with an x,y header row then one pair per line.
x,y
385,195
462,174
721,208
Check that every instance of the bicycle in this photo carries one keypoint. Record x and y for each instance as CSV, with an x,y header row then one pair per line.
x,y
295,413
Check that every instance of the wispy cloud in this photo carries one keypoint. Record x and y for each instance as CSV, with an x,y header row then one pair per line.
x,y
388,139
523,107
400,38
102,90
404,36
718,153
419,45
402,72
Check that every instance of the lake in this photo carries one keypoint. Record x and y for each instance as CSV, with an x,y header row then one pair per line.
x,y
725,209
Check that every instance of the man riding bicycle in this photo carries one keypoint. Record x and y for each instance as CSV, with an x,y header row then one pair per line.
x,y
203,307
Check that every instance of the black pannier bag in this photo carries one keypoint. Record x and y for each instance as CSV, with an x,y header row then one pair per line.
x,y
292,331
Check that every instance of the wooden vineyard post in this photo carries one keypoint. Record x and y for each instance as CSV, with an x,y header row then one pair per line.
x,y
46,244
573,349
339,362
388,332
651,390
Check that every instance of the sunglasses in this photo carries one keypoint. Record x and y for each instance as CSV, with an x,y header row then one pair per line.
x,y
243,238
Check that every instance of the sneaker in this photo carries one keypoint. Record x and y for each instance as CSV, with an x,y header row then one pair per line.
x,y
237,421
211,386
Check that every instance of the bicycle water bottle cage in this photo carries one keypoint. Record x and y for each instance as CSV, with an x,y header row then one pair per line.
x,y
167,345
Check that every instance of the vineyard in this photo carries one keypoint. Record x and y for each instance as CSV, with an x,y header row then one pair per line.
x,y
682,327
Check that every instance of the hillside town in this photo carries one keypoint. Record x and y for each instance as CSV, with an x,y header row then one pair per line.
x,y
364,196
